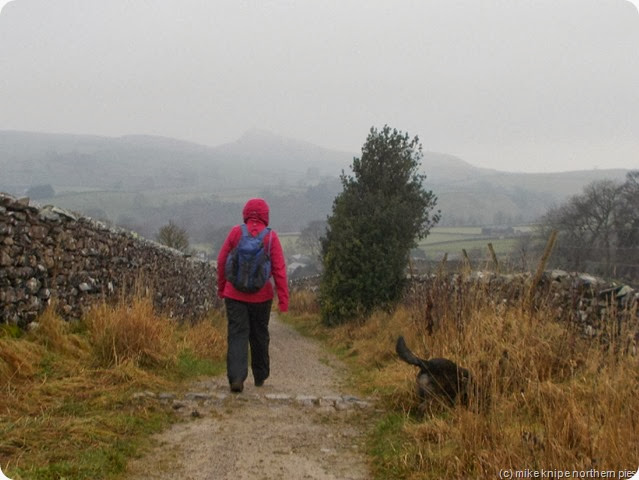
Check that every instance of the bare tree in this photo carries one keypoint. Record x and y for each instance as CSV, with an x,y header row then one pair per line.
x,y
599,229
309,239
173,236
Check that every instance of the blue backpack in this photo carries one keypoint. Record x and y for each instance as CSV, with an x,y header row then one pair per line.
x,y
248,266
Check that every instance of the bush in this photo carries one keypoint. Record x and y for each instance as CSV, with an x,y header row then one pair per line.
x,y
376,220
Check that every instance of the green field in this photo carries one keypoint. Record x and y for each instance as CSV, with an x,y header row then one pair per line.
x,y
115,203
474,248
452,240
450,234
442,240
289,243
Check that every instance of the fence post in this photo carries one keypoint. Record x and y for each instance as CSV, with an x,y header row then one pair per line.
x,y
494,255
467,265
540,269
442,266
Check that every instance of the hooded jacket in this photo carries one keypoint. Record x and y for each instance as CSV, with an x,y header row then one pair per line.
x,y
256,217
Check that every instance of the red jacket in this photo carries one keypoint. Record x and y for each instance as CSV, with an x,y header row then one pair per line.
x,y
256,217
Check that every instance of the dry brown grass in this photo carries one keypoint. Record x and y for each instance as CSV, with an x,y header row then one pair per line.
x,y
18,360
303,302
207,338
66,404
131,333
550,398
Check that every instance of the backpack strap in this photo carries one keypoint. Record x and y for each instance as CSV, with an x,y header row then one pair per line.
x,y
270,242
263,234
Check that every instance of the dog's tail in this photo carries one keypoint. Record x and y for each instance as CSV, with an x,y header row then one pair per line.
x,y
405,354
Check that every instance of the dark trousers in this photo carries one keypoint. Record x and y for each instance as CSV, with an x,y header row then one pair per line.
x,y
247,325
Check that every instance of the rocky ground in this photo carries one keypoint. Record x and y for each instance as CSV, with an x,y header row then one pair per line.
x,y
302,424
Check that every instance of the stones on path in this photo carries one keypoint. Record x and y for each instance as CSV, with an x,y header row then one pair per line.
x,y
196,403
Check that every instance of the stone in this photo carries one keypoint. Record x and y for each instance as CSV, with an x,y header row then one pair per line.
x,y
5,259
44,294
38,232
33,285
329,400
278,397
19,216
307,400
146,394
558,274
625,291
48,215
198,396
341,406
587,279
8,295
33,304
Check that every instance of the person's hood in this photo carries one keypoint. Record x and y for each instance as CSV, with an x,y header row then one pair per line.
x,y
257,209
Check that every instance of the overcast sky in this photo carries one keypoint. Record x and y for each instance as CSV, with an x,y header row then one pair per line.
x,y
518,85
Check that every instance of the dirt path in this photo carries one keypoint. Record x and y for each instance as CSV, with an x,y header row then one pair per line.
x,y
302,424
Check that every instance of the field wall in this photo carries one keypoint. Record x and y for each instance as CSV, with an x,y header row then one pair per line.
x,y
49,254
593,305
585,301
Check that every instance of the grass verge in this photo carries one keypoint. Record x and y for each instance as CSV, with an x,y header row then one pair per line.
x,y
550,399
68,409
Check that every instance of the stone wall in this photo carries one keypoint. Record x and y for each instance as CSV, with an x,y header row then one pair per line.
x,y
584,300
47,253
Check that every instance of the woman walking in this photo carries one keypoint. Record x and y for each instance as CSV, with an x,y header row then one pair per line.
x,y
249,257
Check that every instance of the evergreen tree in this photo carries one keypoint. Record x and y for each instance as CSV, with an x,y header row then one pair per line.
x,y
376,220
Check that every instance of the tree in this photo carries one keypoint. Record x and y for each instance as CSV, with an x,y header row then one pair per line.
x,y
216,235
309,241
376,220
39,192
173,236
599,229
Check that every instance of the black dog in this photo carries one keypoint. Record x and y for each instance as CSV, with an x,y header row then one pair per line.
x,y
439,379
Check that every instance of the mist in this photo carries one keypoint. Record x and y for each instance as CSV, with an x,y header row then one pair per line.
x,y
515,86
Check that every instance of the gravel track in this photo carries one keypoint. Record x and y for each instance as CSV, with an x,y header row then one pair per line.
x,y
302,424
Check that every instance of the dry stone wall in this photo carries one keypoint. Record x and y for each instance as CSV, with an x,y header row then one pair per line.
x,y
47,253
584,300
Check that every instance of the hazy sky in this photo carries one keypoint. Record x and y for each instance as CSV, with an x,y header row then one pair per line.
x,y
520,85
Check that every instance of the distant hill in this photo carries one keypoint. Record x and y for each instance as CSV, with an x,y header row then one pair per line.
x,y
119,176
493,197
255,160
93,162
273,155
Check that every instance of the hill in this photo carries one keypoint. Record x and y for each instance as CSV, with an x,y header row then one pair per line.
x,y
143,181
